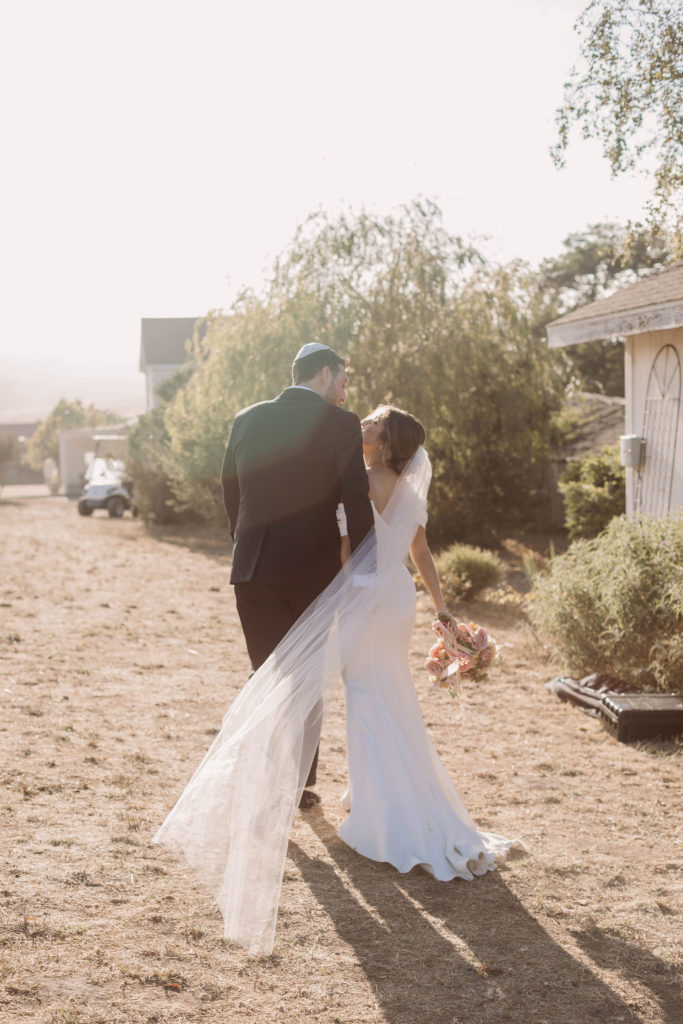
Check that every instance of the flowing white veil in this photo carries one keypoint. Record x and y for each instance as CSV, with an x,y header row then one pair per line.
x,y
232,822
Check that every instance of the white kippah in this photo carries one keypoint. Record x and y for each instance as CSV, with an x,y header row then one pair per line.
x,y
308,350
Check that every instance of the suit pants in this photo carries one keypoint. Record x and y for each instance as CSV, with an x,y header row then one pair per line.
x,y
267,613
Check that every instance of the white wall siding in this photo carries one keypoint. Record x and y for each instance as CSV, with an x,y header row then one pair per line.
x,y
641,351
630,420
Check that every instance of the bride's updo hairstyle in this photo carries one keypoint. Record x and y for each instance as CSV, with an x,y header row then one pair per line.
x,y
402,435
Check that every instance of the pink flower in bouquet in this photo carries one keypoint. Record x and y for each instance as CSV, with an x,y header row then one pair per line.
x,y
486,656
465,663
434,666
480,638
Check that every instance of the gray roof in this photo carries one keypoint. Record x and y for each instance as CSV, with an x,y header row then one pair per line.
x,y
652,304
163,340
19,429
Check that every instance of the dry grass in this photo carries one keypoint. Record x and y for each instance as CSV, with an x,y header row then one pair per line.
x,y
119,651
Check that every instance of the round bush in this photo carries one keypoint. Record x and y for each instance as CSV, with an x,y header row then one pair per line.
x,y
614,604
465,571
594,492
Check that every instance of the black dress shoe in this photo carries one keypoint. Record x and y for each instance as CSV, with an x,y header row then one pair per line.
x,y
308,800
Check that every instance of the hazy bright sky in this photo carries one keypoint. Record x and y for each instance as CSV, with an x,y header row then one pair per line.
x,y
158,154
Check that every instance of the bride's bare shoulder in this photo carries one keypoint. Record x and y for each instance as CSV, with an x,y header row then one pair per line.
x,y
382,481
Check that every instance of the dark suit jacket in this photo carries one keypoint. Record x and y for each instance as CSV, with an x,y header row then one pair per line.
x,y
287,464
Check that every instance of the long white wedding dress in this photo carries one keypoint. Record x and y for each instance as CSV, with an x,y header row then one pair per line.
x,y
232,822
404,808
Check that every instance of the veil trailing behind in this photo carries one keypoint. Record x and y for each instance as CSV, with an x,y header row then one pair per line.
x,y
231,824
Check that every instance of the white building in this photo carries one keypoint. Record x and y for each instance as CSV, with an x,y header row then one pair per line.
x,y
163,349
648,315
79,446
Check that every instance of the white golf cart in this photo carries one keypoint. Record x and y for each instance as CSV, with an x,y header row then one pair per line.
x,y
105,484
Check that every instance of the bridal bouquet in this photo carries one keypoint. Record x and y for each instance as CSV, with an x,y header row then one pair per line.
x,y
462,651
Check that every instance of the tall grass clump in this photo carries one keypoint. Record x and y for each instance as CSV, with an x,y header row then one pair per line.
x,y
464,571
614,604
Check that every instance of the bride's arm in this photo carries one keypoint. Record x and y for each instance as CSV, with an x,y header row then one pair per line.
x,y
424,563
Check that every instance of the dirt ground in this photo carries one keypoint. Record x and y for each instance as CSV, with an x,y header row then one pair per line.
x,y
120,649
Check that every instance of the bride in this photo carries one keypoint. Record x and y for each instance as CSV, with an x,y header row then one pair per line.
x,y
404,807
232,822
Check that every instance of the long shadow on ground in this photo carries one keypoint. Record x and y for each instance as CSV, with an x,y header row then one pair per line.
x,y
450,953
613,953
211,541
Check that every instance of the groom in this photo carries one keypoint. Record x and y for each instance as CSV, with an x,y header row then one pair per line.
x,y
287,464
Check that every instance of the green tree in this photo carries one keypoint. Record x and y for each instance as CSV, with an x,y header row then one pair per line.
x,y
148,455
425,323
244,357
593,264
599,259
45,441
628,92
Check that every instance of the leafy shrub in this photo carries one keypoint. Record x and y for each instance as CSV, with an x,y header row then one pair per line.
x,y
614,604
465,571
148,458
150,486
594,491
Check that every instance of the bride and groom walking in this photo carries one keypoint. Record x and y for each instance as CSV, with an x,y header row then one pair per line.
x,y
322,591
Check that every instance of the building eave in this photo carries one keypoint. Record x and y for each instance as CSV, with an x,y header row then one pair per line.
x,y
662,317
151,367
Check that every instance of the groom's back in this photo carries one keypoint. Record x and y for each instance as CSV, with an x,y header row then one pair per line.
x,y
286,466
